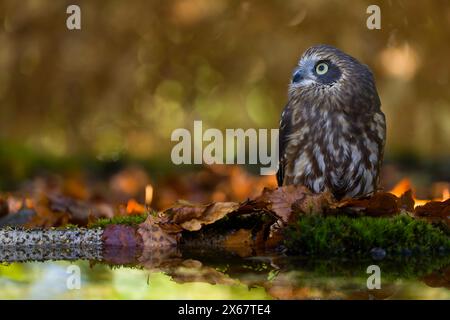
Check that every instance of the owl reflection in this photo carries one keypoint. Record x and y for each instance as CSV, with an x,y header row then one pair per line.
x,y
332,130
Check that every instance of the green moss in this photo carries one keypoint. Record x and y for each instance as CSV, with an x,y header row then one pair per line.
x,y
317,235
133,220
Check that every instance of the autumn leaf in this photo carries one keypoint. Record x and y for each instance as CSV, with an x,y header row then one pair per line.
x,y
191,217
46,217
153,235
435,211
380,204
78,211
122,244
406,201
283,201
134,207
117,235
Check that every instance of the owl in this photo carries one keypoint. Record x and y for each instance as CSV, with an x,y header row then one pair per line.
x,y
332,130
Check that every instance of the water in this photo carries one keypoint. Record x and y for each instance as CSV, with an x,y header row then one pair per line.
x,y
208,274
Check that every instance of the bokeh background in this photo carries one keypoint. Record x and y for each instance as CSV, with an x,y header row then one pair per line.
x,y
113,92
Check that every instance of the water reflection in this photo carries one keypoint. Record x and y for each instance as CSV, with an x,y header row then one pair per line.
x,y
200,274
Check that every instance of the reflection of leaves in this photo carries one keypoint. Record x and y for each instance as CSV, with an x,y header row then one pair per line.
x,y
182,270
272,275
386,291
195,271
438,279
157,258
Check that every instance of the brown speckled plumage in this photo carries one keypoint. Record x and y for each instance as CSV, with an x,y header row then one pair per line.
x,y
332,130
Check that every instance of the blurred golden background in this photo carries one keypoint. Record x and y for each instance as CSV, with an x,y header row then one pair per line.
x,y
138,70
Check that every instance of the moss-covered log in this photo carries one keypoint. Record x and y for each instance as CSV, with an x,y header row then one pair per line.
x,y
337,235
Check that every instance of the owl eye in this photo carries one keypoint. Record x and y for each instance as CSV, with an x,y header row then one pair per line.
x,y
321,68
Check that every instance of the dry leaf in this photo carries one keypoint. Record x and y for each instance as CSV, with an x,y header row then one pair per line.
x,y
380,204
191,217
134,207
435,211
406,201
78,211
122,244
117,235
283,201
154,236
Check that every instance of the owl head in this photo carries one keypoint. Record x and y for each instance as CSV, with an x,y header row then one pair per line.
x,y
325,72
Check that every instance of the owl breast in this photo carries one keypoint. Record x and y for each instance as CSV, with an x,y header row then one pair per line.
x,y
335,152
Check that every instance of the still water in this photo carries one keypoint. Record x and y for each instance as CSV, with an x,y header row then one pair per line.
x,y
204,274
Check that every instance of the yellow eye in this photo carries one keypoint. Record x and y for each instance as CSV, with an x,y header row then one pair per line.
x,y
321,68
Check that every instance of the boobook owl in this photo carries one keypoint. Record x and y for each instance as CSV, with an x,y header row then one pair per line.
x,y
332,130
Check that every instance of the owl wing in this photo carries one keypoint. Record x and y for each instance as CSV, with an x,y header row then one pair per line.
x,y
285,131
380,120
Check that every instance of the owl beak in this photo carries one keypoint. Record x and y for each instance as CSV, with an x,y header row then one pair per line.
x,y
299,76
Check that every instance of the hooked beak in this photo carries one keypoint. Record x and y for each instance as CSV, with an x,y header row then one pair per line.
x,y
298,76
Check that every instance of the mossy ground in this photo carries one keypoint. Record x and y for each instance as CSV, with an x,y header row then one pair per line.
x,y
337,235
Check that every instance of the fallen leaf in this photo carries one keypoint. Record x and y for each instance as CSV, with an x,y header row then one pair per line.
x,y
78,211
285,200
191,217
117,235
435,211
45,217
122,244
406,201
154,236
314,203
134,207
380,204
